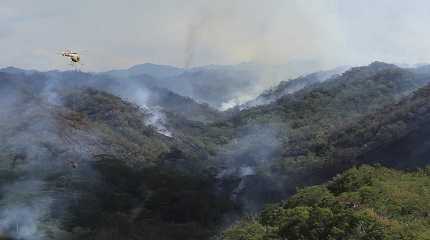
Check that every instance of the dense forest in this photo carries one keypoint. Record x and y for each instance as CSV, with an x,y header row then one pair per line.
x,y
361,203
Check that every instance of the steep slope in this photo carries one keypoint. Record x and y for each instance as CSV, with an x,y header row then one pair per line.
x,y
399,131
359,90
352,120
293,85
174,195
112,119
362,203
185,107
313,113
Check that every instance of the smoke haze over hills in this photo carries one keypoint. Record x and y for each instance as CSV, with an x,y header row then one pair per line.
x,y
199,32
185,118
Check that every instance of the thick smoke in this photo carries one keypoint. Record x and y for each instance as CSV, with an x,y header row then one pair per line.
x,y
248,158
36,145
157,120
24,210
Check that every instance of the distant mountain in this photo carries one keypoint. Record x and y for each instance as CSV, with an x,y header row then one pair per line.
x,y
215,86
154,70
221,86
14,70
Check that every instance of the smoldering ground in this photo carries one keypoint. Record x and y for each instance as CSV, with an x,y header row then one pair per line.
x,y
247,159
48,152
41,158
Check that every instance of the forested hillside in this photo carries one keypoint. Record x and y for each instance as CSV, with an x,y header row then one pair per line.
x,y
85,156
306,123
362,203
80,163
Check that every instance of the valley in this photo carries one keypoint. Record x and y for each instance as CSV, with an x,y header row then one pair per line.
x,y
118,155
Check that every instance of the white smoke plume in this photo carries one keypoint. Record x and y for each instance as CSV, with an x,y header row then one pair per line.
x,y
155,117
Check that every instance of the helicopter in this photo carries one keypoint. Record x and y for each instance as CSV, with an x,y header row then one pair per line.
x,y
74,57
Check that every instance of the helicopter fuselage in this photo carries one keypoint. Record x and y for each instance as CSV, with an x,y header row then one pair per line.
x,y
74,57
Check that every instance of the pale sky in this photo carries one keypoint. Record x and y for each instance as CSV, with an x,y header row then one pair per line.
x,y
119,34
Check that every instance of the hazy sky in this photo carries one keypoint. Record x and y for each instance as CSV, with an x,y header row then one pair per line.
x,y
118,34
